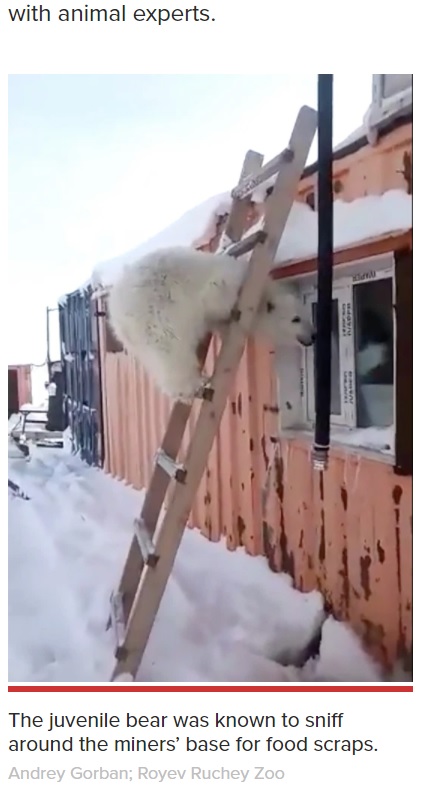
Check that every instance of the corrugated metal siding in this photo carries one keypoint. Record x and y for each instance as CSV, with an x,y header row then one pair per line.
x,y
346,532
78,336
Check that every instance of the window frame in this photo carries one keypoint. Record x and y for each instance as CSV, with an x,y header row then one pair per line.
x,y
404,290
379,88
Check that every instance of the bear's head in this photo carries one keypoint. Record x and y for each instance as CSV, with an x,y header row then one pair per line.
x,y
282,319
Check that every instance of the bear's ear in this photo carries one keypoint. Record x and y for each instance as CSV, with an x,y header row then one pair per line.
x,y
270,306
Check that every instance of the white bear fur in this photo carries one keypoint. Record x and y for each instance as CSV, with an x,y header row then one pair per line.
x,y
164,305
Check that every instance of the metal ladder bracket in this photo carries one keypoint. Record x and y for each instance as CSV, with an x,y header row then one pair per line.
x,y
246,244
147,548
174,470
117,622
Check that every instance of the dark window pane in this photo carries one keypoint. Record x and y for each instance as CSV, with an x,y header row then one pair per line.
x,y
374,353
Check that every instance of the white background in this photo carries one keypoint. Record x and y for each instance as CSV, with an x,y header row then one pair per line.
x,y
261,37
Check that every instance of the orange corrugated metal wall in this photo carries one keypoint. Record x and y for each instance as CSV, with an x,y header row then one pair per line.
x,y
347,532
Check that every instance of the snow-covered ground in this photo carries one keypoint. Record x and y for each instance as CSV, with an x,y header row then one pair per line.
x,y
224,617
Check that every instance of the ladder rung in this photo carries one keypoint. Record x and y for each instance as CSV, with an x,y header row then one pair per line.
x,y
118,624
246,244
173,469
249,184
147,548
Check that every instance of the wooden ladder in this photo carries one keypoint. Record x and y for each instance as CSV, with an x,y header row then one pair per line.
x,y
159,529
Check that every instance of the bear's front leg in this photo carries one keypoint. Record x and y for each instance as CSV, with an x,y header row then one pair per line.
x,y
181,377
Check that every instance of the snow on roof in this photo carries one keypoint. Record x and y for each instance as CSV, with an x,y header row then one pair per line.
x,y
358,134
354,222
363,219
194,228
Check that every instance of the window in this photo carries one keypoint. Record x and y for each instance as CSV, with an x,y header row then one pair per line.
x,y
372,360
363,358
362,351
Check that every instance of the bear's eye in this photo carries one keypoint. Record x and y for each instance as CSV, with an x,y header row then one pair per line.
x,y
269,306
296,319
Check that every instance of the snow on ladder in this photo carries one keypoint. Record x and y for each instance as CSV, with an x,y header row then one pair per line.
x,y
159,530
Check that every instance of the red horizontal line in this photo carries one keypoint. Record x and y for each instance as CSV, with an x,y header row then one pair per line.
x,y
138,688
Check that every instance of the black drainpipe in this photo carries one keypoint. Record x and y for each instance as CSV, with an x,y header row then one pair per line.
x,y
48,343
323,347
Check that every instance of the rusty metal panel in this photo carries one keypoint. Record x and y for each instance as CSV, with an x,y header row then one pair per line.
x,y
372,556
24,384
347,532
295,484
402,497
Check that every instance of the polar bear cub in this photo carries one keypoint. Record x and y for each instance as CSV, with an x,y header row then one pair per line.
x,y
164,305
